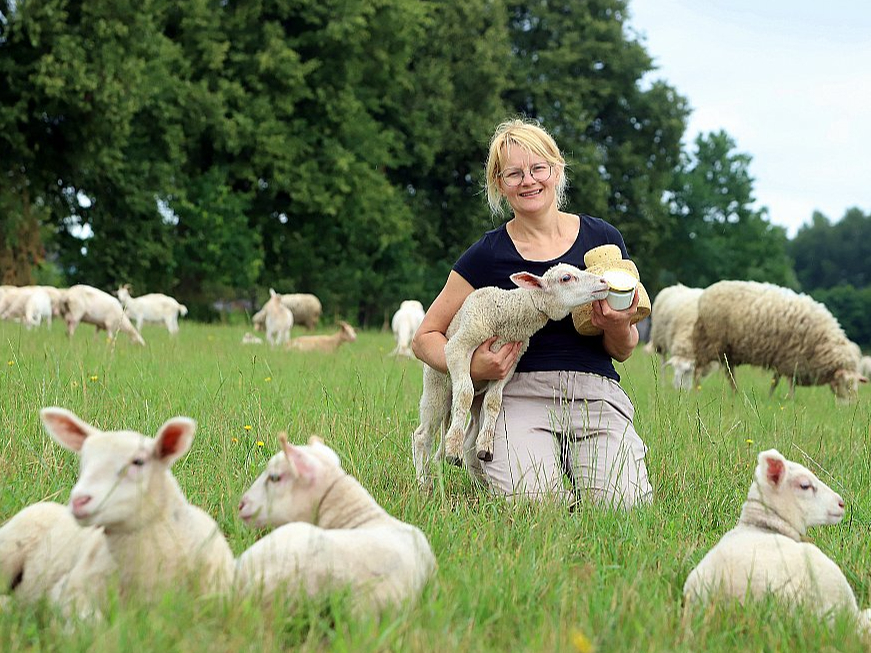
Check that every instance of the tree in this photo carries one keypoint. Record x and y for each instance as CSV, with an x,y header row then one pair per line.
x,y
828,255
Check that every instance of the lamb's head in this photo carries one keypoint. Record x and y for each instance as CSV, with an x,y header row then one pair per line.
x,y
293,485
562,288
347,332
124,477
123,293
794,493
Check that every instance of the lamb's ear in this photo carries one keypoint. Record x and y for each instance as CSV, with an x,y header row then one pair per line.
x,y
302,465
772,466
526,280
272,293
313,439
65,427
174,439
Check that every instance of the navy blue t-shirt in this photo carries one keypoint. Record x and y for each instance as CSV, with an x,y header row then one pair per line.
x,y
557,346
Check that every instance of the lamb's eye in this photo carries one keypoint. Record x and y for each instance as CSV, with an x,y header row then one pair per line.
x,y
273,478
139,462
804,485
566,278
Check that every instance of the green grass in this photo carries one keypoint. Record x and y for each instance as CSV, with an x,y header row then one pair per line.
x,y
522,578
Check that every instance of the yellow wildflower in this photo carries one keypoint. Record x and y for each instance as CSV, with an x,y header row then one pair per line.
x,y
748,441
94,377
10,363
268,379
248,427
582,643
260,443
234,440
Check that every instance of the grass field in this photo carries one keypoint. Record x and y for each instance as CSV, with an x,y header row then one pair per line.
x,y
521,578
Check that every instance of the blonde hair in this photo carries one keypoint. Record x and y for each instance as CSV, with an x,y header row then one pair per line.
x,y
530,135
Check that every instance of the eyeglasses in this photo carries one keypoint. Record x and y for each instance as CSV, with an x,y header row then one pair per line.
x,y
514,176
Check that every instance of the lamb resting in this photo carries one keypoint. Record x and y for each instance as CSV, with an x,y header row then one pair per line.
x,y
331,534
512,315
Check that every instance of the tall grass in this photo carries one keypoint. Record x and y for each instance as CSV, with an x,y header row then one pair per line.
x,y
521,578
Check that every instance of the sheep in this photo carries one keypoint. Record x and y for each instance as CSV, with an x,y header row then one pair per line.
x,y
331,535
154,307
279,320
673,318
762,324
83,303
14,303
865,366
45,554
513,315
326,344
765,553
306,309
404,324
37,308
125,485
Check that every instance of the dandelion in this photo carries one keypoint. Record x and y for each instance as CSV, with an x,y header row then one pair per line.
x,y
10,363
247,427
698,387
234,440
748,441
260,443
782,407
268,379
582,643
94,377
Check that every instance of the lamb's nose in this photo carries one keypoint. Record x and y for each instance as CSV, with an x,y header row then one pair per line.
x,y
841,503
80,502
241,505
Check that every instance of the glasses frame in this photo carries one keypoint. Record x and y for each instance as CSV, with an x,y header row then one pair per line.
x,y
523,174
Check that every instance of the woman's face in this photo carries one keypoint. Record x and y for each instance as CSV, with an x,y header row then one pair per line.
x,y
536,191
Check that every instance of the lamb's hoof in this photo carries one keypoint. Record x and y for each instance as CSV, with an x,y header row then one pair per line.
x,y
456,461
486,456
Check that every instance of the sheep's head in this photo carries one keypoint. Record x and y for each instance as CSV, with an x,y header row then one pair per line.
x,y
123,475
794,493
684,369
564,287
292,486
347,332
845,385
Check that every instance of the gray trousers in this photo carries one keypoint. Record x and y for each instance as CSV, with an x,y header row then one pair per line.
x,y
563,436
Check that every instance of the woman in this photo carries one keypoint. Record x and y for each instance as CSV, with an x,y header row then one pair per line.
x,y
565,429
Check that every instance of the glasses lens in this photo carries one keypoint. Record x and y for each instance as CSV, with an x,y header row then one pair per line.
x,y
512,177
541,171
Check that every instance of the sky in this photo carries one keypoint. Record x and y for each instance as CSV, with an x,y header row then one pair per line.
x,y
788,80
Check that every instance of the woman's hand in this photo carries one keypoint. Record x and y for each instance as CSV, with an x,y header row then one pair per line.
x,y
491,366
620,335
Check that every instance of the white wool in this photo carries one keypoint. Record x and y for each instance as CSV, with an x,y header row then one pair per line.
x,y
278,320
305,307
765,554
328,344
512,315
153,307
404,324
125,485
87,304
332,535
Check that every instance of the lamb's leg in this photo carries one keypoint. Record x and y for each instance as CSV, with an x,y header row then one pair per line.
x,y
492,406
459,362
434,406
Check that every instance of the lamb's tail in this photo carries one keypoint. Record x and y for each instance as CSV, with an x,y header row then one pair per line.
x,y
182,310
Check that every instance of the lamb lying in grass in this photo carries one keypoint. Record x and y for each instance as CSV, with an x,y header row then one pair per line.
x,y
45,554
513,315
327,344
765,553
332,535
158,540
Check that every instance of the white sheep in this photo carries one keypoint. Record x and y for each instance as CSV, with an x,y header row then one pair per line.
x,y
331,535
15,302
745,322
158,540
765,554
37,308
153,307
404,324
87,304
278,321
328,344
865,366
512,315
673,320
46,554
306,309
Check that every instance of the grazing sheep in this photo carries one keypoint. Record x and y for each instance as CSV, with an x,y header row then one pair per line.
x,y
762,324
404,324
512,315
158,540
673,320
765,553
326,344
45,554
83,303
279,320
306,309
154,307
332,535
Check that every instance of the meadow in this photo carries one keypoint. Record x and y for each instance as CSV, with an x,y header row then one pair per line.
x,y
511,577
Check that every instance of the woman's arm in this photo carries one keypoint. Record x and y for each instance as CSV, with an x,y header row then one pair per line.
x,y
620,336
428,343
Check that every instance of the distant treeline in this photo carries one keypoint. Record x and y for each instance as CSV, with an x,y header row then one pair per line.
x,y
212,150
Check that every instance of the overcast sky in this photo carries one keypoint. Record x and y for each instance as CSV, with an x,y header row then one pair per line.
x,y
789,80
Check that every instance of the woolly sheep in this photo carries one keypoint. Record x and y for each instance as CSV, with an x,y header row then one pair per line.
x,y
153,307
45,554
279,320
762,324
865,366
16,303
306,309
765,553
331,343
331,534
125,485
673,320
83,303
404,324
513,315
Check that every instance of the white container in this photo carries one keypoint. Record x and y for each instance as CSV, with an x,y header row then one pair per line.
x,y
622,289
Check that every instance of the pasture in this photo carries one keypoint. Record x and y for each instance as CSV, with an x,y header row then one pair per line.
x,y
510,578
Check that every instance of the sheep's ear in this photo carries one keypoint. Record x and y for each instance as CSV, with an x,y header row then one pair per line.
x,y
272,293
65,427
773,466
302,465
526,280
174,439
